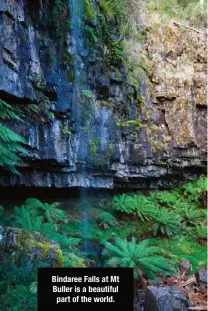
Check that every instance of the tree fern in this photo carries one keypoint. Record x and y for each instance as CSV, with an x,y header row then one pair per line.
x,y
145,208
190,216
11,144
145,259
166,198
194,190
124,203
166,222
22,218
51,212
181,204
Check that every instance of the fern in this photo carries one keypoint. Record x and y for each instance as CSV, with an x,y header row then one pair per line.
x,y
107,220
201,233
11,144
183,247
190,216
22,218
124,203
166,198
51,212
72,228
166,222
63,240
144,207
15,285
194,191
181,204
145,259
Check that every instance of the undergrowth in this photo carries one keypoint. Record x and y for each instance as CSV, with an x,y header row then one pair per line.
x,y
186,11
169,225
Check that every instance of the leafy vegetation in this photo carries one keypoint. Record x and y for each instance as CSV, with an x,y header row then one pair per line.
x,y
181,247
106,220
127,241
190,12
11,144
125,203
190,216
166,222
15,286
145,259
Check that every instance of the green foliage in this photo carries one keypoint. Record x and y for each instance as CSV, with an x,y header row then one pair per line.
x,y
194,191
190,12
58,18
107,220
66,243
166,222
89,12
88,94
73,227
113,8
201,232
167,198
11,144
141,256
44,218
139,204
34,287
15,282
190,216
21,218
144,207
52,213
72,260
124,203
183,247
91,34
111,16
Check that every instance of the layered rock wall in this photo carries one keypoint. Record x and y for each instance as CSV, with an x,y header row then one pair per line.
x,y
140,136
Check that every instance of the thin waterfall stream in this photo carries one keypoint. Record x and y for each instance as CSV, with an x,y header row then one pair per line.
x,y
80,51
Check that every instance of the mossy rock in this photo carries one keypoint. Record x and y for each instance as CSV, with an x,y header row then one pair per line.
x,y
20,243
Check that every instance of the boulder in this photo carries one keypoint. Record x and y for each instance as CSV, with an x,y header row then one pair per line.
x,y
168,298
32,245
201,278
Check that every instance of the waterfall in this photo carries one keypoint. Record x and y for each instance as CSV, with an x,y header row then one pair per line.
x,y
80,52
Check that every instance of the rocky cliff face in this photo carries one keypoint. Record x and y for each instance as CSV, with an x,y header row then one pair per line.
x,y
112,132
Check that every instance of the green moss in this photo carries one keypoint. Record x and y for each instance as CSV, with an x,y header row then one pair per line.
x,y
128,123
93,144
106,104
64,129
97,157
89,12
28,242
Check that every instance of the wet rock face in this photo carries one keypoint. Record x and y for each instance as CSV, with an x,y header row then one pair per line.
x,y
100,150
167,298
18,243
